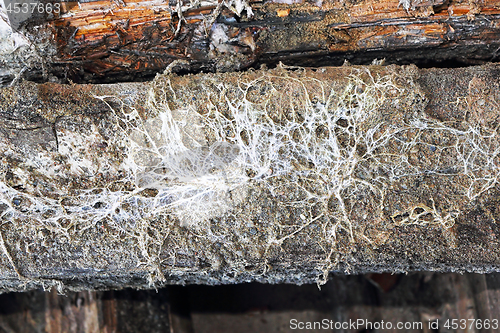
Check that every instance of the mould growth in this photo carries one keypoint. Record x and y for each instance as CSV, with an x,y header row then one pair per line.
x,y
238,168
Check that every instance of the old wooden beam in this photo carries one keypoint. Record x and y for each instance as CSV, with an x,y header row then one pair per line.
x,y
425,301
106,41
280,175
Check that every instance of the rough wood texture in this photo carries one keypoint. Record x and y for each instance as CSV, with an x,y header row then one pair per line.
x,y
274,176
85,312
416,299
107,41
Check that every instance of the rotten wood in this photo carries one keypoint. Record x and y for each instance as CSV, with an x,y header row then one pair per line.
x,y
80,206
104,41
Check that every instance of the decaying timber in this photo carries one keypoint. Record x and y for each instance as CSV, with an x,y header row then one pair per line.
x,y
279,175
417,298
109,41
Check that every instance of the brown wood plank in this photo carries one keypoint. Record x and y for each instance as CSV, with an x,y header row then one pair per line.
x,y
108,40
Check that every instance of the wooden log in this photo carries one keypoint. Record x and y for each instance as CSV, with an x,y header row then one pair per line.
x,y
277,175
108,41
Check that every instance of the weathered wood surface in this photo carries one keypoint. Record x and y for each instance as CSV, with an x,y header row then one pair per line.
x,y
424,301
86,312
108,41
274,176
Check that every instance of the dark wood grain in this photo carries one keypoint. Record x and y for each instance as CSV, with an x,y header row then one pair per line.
x,y
104,41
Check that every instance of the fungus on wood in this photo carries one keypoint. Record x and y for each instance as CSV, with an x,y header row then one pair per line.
x,y
281,175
